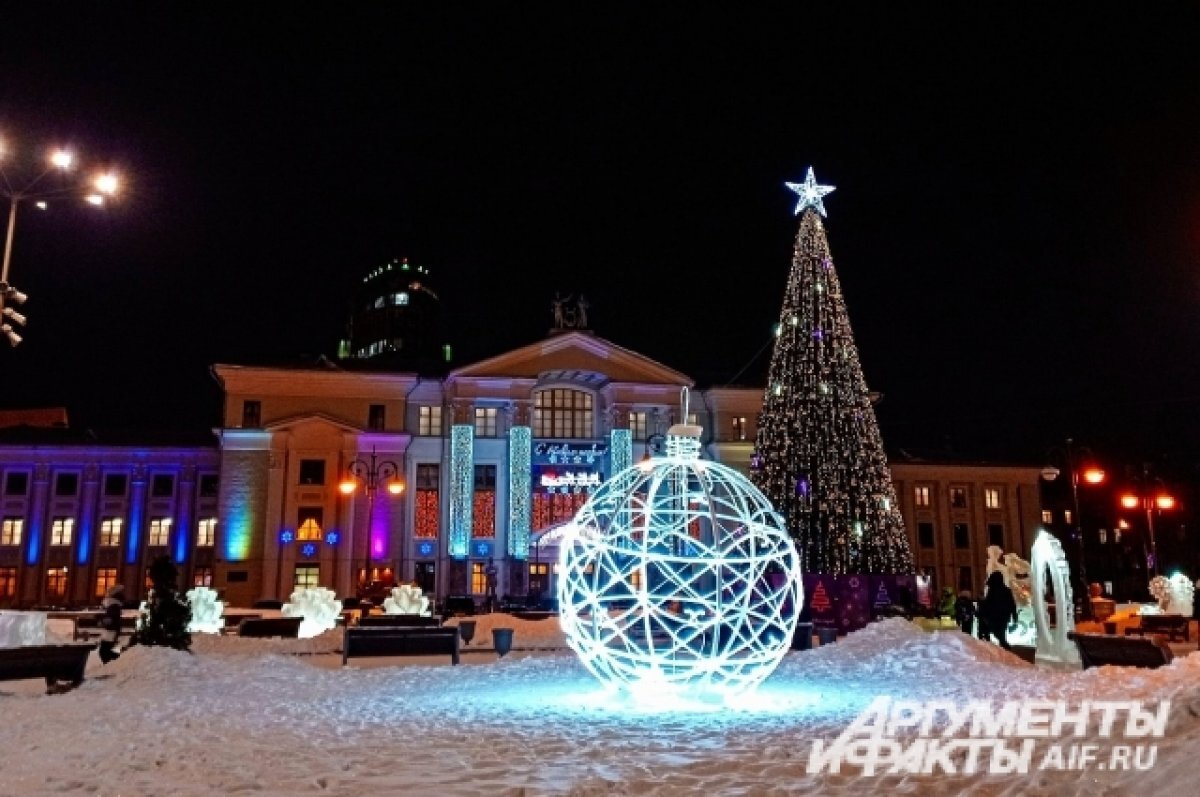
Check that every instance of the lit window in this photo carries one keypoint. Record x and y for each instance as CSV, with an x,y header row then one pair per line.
x,y
160,531
485,421
1047,516
56,583
739,428
106,578
1103,536
400,299
562,413
206,532
11,531
1067,517
61,530
638,425
430,422
991,497
921,496
309,525
202,577
478,578
307,576
110,531
958,497
8,582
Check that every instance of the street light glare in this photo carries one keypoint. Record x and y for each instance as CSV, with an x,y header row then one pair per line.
x,y
395,488
1093,476
62,159
107,183
95,199
1165,501
346,487
1129,501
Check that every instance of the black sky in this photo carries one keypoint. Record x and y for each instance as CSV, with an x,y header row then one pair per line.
x,y
1016,223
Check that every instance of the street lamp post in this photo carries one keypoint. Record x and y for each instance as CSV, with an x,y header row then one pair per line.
x,y
1149,497
36,189
1091,475
372,474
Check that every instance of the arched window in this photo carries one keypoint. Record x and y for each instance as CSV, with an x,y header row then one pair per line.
x,y
563,413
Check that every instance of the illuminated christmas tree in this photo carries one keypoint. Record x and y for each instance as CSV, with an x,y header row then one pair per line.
x,y
819,455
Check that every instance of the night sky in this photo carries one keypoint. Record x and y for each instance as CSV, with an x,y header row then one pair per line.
x,y
1016,222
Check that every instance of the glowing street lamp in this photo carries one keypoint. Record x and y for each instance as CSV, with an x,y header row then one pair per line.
x,y
371,474
1149,500
37,189
1091,475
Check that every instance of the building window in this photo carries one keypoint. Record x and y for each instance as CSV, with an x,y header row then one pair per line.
x,y
61,530
56,583
206,532
210,485
312,471
162,486
962,535
562,413
425,513
966,581
1116,536
376,417
160,532
202,577
991,497
106,579
12,530
115,484
478,578
485,421
739,427
8,582
1047,516
1067,517
996,534
925,534
66,484
16,483
110,532
308,526
307,576
639,425
483,512
1103,533
921,495
958,497
251,414
429,421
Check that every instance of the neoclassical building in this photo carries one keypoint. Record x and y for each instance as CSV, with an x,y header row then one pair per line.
x,y
493,457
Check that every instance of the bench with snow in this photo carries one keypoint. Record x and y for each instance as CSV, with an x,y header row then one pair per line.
x,y
399,621
1173,625
1097,650
262,627
400,641
55,663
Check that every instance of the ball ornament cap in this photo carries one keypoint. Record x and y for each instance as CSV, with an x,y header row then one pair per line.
x,y
677,577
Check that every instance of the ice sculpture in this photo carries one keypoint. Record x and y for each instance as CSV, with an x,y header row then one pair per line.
x,y
206,611
407,599
1174,595
318,606
1016,576
678,576
1053,644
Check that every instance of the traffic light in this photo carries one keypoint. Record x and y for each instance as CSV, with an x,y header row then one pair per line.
x,y
8,297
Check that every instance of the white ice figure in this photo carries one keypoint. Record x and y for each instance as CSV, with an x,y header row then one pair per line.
x,y
318,606
1053,644
1174,595
407,599
206,611
22,628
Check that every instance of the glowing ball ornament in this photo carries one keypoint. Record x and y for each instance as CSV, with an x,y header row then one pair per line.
x,y
678,578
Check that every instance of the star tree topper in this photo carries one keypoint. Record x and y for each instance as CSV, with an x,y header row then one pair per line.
x,y
810,193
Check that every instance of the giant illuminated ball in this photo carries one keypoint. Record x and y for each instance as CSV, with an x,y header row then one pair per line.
x,y
678,576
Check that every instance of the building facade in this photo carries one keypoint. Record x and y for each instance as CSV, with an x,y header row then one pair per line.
x,y
493,458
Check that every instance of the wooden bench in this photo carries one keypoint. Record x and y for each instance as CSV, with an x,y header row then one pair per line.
x,y
400,621
1097,650
1175,626
88,626
262,627
53,662
400,641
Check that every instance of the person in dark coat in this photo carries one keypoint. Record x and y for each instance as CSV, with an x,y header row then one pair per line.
x,y
964,611
997,609
110,624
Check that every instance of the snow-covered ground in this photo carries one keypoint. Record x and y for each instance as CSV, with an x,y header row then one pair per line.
x,y
283,717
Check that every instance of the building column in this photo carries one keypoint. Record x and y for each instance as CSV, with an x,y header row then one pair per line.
x,y
132,576
35,548
85,551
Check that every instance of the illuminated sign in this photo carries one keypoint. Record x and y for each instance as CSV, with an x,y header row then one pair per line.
x,y
554,481
557,452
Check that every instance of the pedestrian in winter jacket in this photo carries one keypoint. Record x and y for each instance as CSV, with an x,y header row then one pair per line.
x,y
964,611
997,609
110,624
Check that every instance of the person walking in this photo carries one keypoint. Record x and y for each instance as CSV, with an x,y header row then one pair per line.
x,y
997,609
964,611
110,624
